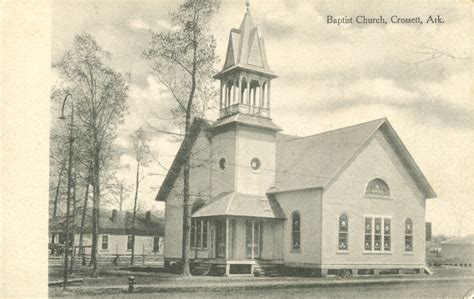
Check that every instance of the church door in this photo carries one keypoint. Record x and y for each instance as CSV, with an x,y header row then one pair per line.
x,y
253,237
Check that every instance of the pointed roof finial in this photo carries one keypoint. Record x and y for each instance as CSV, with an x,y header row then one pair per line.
x,y
247,3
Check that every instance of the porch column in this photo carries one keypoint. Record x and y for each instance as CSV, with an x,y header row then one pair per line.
x,y
249,93
227,238
225,94
240,90
268,94
220,95
253,237
234,84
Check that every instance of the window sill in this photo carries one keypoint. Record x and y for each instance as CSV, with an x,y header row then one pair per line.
x,y
199,249
342,252
408,253
377,252
295,250
378,197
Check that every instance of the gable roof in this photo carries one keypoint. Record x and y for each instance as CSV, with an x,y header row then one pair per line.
x,y
238,204
469,239
246,50
316,161
121,225
197,126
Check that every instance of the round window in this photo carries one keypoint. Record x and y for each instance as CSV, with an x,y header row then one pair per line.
x,y
255,164
222,163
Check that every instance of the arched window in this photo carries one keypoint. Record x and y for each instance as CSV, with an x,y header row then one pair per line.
x,y
408,235
377,187
343,243
296,230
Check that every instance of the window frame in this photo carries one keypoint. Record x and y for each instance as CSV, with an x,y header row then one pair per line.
x,y
296,248
102,242
382,234
409,235
372,195
156,244
202,235
130,241
339,232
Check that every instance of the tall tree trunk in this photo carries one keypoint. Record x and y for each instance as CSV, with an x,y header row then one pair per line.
x,y
186,171
132,260
96,224
73,228
56,196
83,220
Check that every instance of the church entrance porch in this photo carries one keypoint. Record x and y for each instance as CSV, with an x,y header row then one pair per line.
x,y
237,246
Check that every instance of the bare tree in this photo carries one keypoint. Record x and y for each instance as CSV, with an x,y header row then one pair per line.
x,y
100,98
183,60
139,141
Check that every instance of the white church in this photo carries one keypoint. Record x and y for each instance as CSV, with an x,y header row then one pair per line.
x,y
350,199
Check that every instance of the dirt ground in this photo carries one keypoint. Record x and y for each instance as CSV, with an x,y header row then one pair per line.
x,y
117,282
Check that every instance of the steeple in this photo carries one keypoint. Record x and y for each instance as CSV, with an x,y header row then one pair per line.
x,y
246,76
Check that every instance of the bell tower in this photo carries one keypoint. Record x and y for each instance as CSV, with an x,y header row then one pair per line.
x,y
245,80
243,137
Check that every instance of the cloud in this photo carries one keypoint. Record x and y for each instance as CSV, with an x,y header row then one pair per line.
x,y
139,24
165,25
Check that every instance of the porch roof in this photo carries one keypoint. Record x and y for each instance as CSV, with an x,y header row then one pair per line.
x,y
238,204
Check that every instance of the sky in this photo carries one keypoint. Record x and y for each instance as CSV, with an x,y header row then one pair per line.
x,y
330,76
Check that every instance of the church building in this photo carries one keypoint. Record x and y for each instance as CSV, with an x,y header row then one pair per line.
x,y
350,199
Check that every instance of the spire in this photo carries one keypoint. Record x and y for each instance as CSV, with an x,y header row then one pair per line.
x,y
246,48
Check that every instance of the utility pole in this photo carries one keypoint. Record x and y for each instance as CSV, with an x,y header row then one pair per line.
x,y
69,185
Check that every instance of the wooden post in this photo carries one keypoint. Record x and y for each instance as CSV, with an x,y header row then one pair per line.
x,y
253,238
220,94
234,88
249,93
240,90
143,252
225,94
227,239
268,94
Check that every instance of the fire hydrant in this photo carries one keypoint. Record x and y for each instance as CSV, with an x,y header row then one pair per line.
x,y
131,282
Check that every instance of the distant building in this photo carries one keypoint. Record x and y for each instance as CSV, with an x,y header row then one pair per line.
x,y
351,198
458,248
115,234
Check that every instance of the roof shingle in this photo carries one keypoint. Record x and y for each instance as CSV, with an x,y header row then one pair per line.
x,y
237,204
311,162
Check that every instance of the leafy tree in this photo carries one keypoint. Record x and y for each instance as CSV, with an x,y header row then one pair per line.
x,y
184,61
99,94
139,141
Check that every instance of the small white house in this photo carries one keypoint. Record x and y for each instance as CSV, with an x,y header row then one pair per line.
x,y
458,248
115,234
